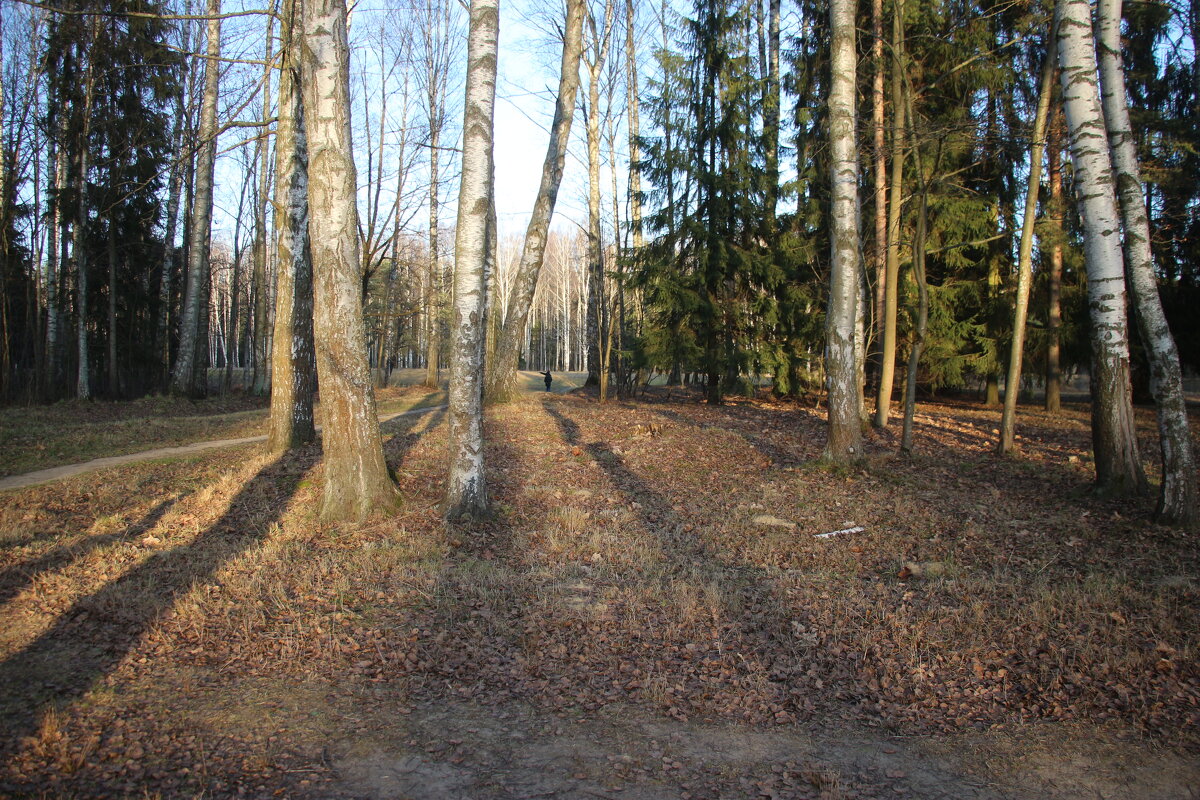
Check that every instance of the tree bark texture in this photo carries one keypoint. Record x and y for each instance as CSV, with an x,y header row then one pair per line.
x,y
356,476
1012,383
1114,442
845,431
887,360
189,378
292,364
466,490
1177,498
502,371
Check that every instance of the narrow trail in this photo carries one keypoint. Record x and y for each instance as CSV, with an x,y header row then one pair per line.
x,y
52,474
564,382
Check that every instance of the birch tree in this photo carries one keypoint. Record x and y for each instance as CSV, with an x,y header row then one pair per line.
x,y
292,366
1177,498
845,432
1012,383
356,476
1114,442
189,376
502,369
887,364
466,490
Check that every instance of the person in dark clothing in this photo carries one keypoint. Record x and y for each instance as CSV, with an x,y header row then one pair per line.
x,y
549,379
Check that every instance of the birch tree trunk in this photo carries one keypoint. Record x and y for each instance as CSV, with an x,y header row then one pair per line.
x,y
887,361
502,371
167,268
1114,442
466,490
292,366
356,476
1012,383
879,161
83,384
1177,498
600,38
188,377
260,384
845,431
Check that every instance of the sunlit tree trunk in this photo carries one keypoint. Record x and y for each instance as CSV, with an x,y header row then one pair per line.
x,y
292,366
188,377
261,383
845,431
597,55
1114,441
887,363
635,132
466,490
1177,499
879,161
1012,383
502,369
356,476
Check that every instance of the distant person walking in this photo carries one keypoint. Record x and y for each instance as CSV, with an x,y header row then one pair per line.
x,y
549,378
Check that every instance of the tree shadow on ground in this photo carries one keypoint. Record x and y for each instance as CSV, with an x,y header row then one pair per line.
x,y
15,578
91,638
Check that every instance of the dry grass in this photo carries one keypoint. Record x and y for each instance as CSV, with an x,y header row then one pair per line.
x,y
623,566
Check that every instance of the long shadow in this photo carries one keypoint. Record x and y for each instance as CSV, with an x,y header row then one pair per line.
x,y
15,578
404,431
91,638
778,456
682,552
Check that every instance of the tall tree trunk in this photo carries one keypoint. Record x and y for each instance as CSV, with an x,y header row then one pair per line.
x,y
635,129
1114,440
1054,215
845,399
356,476
189,377
466,489
167,269
771,114
292,365
887,364
879,160
1177,498
918,344
596,308
54,265
1012,383
83,387
502,370
261,383
114,381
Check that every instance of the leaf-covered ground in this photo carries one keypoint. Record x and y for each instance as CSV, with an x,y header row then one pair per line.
x,y
648,614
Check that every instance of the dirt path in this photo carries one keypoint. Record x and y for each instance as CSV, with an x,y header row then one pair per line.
x,y
70,470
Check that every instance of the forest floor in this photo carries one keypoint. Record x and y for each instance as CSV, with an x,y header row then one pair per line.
x,y
649,613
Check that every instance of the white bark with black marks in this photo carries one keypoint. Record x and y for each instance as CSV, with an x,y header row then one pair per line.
x,y
1114,443
466,489
845,399
1177,499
